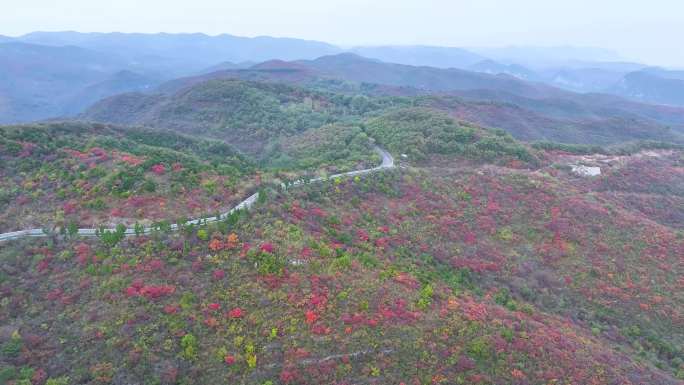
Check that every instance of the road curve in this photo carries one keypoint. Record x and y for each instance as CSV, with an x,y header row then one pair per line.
x,y
387,163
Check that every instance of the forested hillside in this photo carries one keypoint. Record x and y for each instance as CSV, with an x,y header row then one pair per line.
x,y
473,274
418,132
246,114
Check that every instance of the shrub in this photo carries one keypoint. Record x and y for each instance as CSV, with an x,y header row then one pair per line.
x,y
202,234
139,229
189,347
268,263
7,373
149,186
13,346
64,380
96,204
479,349
425,297
112,238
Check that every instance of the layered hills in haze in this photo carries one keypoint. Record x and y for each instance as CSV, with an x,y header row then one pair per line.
x,y
529,111
103,64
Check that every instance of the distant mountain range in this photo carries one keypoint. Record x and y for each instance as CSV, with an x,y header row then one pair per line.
x,y
658,86
414,80
440,57
628,80
38,81
185,53
51,74
663,73
492,67
193,52
541,57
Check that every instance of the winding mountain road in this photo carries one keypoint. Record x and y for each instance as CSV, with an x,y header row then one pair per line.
x,y
387,163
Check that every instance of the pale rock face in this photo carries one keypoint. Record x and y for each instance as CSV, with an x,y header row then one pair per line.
x,y
586,170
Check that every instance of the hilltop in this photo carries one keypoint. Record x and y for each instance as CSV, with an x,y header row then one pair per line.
x,y
247,114
64,174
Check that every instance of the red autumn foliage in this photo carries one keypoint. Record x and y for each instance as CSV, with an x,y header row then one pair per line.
x,y
151,292
474,311
26,149
151,266
397,312
492,205
171,309
83,253
310,316
211,322
320,329
232,241
407,280
218,274
236,313
215,245
169,375
245,248
43,264
158,169
99,153
273,281
197,265
289,376
475,265
69,208
306,252
23,199
131,160
319,293
318,212
54,294
354,319
39,377
516,373
266,248
382,242
465,363
298,212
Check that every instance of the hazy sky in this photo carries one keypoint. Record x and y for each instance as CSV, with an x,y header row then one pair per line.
x,y
650,31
